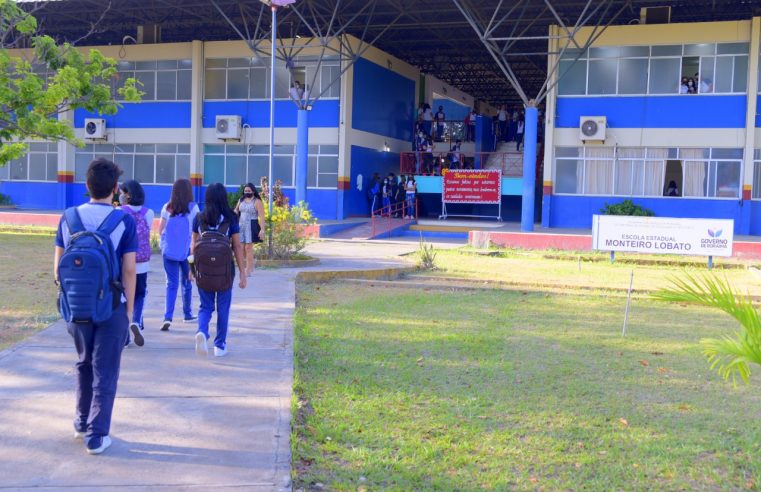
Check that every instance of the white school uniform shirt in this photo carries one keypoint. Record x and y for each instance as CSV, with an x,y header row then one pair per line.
x,y
427,115
145,266
502,115
520,127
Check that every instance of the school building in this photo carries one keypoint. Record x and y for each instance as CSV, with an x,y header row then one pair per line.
x,y
647,132
359,126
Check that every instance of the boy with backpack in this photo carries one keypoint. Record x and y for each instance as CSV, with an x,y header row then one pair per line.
x,y
94,267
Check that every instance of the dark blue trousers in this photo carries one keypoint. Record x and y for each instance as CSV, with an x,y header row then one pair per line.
x,y
99,348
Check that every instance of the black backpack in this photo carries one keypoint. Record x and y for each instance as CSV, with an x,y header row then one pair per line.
x,y
213,259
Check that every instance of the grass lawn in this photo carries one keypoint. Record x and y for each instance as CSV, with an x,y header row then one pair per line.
x,y
402,389
27,292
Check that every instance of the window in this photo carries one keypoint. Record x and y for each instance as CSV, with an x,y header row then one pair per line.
x,y
146,163
39,164
162,80
703,173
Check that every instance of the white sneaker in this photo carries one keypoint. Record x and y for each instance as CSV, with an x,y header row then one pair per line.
x,y
220,352
105,442
202,347
79,435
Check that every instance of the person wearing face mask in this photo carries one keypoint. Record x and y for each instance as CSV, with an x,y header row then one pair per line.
x,y
132,200
250,210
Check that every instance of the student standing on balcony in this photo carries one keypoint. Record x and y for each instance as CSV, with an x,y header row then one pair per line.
x,y
519,134
440,119
502,118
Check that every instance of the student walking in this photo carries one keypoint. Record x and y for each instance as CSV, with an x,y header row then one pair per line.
x,y
216,239
94,267
410,189
132,200
175,229
250,209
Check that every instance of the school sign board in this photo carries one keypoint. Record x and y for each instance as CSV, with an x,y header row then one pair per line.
x,y
472,186
663,235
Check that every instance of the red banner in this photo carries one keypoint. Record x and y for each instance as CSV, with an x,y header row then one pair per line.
x,y
472,186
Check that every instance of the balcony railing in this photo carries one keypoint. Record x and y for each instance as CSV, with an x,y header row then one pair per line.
x,y
431,164
451,131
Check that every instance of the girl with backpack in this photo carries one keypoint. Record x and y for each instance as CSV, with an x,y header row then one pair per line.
x,y
216,239
175,229
250,209
132,200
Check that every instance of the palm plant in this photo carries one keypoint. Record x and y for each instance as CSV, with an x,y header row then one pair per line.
x,y
728,356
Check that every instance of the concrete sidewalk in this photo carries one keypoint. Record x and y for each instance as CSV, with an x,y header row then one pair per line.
x,y
179,422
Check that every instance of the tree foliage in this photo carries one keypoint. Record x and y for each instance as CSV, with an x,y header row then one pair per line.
x,y
728,356
39,83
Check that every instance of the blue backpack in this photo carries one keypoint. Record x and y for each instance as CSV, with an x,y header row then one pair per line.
x,y
175,241
88,271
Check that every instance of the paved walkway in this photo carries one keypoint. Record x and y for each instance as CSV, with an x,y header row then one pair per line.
x,y
179,422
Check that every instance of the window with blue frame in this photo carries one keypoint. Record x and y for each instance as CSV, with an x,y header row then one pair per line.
x,y
39,164
236,164
648,171
717,68
146,163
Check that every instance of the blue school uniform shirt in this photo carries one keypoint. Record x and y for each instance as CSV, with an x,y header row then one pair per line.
x,y
124,237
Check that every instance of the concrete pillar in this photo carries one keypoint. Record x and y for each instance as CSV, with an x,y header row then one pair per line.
x,y
529,168
66,158
302,154
196,122
746,189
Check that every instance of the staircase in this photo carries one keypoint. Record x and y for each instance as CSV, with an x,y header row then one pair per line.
x,y
506,158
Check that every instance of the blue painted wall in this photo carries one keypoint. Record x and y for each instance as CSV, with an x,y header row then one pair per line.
x,y
366,161
32,195
384,101
577,211
454,111
142,115
754,227
686,111
324,114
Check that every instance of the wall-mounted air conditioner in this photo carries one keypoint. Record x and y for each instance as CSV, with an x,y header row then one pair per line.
x,y
95,129
228,127
592,128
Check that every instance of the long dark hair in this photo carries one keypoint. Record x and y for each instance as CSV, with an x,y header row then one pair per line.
x,y
182,195
249,185
135,191
216,205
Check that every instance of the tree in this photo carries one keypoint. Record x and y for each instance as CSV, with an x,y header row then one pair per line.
x,y
729,356
38,84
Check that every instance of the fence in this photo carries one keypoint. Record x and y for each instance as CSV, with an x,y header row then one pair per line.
x,y
432,163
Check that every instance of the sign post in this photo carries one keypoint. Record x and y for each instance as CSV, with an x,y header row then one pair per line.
x,y
474,186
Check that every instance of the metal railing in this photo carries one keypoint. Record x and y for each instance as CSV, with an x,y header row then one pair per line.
x,y
386,215
451,130
433,163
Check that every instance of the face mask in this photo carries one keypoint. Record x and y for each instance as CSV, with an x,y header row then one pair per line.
x,y
123,199
248,195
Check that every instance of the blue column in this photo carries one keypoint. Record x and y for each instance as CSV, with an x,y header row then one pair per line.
x,y
529,169
302,154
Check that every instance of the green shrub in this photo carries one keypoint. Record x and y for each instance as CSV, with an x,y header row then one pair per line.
x,y
287,224
627,207
5,200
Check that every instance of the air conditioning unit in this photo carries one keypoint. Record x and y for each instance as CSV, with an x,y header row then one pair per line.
x,y
95,129
592,128
228,127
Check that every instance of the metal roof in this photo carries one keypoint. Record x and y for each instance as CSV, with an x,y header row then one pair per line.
x,y
433,35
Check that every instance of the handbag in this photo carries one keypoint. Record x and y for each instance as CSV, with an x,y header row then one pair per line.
x,y
255,230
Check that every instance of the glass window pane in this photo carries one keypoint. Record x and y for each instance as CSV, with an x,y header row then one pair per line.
x,y
166,148
329,149
38,167
567,177
312,172
699,49
165,169
602,76
183,148
19,169
213,149
640,51
282,83
329,74
144,168
624,179
284,149
733,48
740,79
183,166
237,84
605,52
328,164
127,164
598,177
166,64
236,149
283,169
705,86
257,168
238,62
235,170
145,65
38,147
4,172
258,83
259,149
213,169
664,75
145,148
123,65
695,177
669,50
573,77
216,63
186,63
632,76
81,161
572,53
726,153
328,181
215,84
52,174
724,70
314,149
124,148
728,179
184,85
756,180
166,86
567,151
148,81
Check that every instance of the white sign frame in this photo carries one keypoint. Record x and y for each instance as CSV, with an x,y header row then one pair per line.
x,y
663,235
